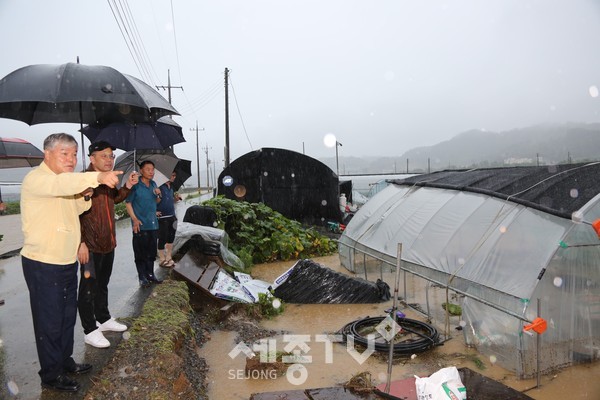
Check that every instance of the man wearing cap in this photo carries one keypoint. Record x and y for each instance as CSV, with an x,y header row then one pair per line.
x,y
97,250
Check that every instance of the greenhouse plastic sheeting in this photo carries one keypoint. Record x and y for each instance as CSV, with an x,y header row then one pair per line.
x,y
310,283
502,255
188,231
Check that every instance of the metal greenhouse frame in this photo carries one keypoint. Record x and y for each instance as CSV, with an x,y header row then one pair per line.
x,y
507,244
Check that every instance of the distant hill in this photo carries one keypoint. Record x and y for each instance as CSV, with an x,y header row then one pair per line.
x,y
540,144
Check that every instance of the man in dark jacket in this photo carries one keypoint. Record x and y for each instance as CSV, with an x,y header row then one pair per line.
x,y
97,249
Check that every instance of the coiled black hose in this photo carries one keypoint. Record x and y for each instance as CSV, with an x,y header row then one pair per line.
x,y
429,336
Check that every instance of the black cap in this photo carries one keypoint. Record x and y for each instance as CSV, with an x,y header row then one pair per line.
x,y
99,146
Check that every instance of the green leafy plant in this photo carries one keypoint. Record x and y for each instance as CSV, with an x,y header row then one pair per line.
x,y
12,207
259,234
120,210
268,306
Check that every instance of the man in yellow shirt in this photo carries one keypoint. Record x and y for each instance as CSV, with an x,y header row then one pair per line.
x,y
52,197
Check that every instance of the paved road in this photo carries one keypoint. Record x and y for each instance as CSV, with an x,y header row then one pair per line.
x,y
16,327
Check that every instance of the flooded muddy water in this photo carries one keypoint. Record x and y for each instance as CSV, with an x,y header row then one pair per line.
x,y
333,364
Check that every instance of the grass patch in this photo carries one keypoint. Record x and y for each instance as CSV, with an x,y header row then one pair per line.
x,y
164,318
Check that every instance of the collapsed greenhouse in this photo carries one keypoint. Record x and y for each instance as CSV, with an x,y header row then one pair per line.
x,y
508,244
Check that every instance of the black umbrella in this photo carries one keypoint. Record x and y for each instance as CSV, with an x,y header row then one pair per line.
x,y
144,135
165,162
72,92
17,153
184,172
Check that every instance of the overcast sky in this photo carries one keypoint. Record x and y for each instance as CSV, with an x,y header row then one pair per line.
x,y
384,76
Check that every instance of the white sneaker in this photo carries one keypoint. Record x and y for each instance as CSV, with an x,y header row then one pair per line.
x,y
111,325
96,339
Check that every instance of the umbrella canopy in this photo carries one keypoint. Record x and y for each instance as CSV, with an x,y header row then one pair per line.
x,y
130,136
72,92
184,172
18,153
164,161
78,93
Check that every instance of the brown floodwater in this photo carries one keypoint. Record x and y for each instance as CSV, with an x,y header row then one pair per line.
x,y
332,364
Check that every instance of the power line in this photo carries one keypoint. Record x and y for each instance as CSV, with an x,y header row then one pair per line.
x,y
204,99
126,23
130,35
141,42
240,114
175,39
124,37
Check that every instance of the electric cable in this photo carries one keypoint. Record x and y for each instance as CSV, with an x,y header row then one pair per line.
x,y
428,335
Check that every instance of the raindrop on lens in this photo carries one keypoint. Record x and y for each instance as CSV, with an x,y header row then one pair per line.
x,y
593,91
557,281
502,229
462,324
323,202
574,193
293,175
493,359
276,303
126,335
86,274
265,173
239,190
13,388
124,109
227,180
461,261
329,140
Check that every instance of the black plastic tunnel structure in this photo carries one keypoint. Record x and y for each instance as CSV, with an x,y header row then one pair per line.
x,y
298,186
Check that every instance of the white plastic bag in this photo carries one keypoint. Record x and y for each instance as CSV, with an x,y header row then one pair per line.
x,y
444,384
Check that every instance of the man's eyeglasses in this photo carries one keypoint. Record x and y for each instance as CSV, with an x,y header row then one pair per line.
x,y
105,156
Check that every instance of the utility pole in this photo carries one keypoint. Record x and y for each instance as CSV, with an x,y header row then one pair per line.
x,y
226,118
198,154
337,163
207,165
168,87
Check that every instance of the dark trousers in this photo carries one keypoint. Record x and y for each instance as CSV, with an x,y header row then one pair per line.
x,y
53,300
167,227
144,252
92,300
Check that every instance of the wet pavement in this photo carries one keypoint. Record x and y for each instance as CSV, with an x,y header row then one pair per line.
x,y
21,364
